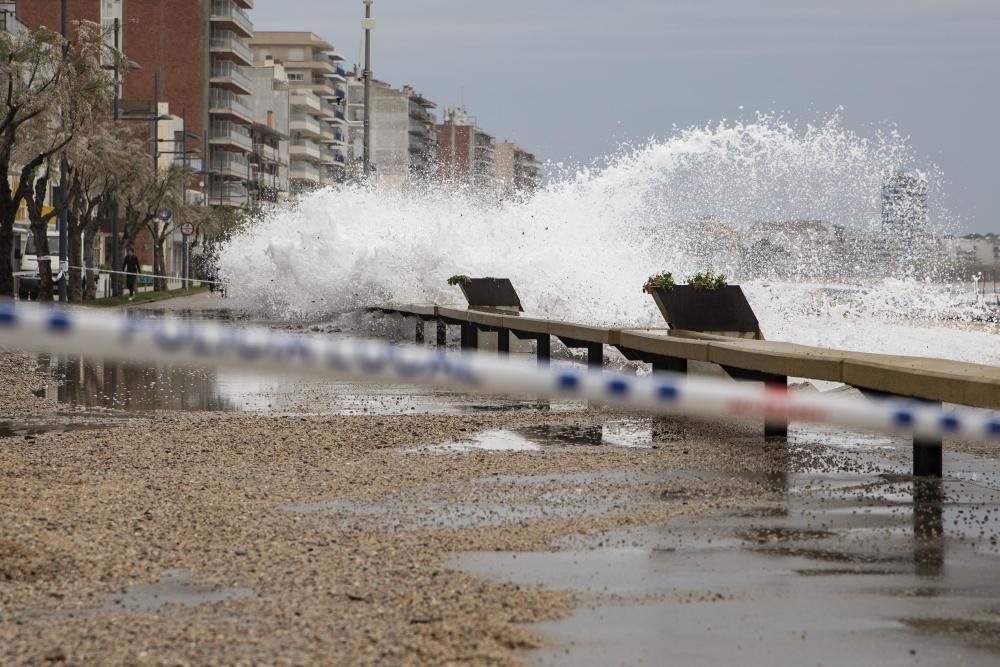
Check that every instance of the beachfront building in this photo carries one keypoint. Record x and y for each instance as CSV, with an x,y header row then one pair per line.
x,y
317,124
514,170
465,151
269,179
403,141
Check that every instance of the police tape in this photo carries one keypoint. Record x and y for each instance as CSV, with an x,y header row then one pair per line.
x,y
33,328
91,269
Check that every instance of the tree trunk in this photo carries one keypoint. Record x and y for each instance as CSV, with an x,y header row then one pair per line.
x,y
91,238
39,230
159,266
74,251
6,255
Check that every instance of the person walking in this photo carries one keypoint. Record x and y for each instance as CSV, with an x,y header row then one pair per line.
x,y
132,270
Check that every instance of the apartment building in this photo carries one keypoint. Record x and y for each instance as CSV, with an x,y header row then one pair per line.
x,y
514,170
465,151
404,138
269,162
317,123
195,59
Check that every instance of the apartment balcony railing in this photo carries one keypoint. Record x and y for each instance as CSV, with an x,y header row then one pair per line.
x,y
305,99
228,102
339,115
303,171
232,164
225,12
340,159
340,93
301,122
340,71
245,4
419,128
228,132
304,148
230,44
225,73
266,152
228,195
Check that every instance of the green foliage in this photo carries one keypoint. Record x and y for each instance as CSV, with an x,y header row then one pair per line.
x,y
459,280
707,280
664,281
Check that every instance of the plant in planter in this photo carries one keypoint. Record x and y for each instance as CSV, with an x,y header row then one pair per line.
x,y
459,280
708,280
664,281
707,303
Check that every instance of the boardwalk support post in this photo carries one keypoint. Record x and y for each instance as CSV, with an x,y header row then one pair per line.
x,y
442,333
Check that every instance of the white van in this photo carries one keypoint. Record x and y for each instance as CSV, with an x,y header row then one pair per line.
x,y
28,282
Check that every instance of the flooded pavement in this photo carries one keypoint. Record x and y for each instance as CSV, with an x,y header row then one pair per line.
x,y
826,567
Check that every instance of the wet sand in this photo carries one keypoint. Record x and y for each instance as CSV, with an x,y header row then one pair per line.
x,y
482,536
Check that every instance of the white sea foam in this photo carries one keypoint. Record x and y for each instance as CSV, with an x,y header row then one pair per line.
x,y
582,247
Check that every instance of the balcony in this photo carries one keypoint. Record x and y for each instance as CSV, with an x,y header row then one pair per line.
x,y
245,4
300,122
232,77
225,103
226,14
420,129
341,71
303,171
302,98
304,149
230,164
228,45
340,93
265,152
228,133
228,194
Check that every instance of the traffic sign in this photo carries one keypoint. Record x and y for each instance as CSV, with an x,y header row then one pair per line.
x,y
187,229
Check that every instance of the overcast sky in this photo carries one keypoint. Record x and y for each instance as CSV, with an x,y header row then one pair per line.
x,y
571,79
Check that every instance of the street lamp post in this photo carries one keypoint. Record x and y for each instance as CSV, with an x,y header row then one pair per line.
x,y
368,24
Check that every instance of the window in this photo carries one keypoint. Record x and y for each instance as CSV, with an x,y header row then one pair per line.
x,y
296,76
296,55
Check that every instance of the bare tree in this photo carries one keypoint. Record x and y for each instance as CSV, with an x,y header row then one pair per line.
x,y
48,90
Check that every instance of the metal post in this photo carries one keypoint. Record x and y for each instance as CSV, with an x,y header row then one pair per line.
x,y
442,333
115,249
470,336
543,351
595,355
419,338
63,186
928,457
503,342
776,429
368,24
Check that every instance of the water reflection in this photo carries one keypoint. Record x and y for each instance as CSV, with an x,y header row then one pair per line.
x,y
928,527
134,387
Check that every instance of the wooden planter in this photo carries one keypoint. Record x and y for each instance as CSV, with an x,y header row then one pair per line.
x,y
491,293
723,311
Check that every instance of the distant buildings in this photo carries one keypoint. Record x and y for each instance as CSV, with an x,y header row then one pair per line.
x,y
904,206
975,253
318,126
465,151
514,170
403,139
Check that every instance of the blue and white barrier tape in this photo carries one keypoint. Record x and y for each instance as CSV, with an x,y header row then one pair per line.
x,y
33,328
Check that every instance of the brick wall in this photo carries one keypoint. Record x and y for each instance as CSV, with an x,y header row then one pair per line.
x,y
454,151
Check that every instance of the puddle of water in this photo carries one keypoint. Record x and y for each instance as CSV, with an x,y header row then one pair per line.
x,y
28,428
831,559
175,587
614,433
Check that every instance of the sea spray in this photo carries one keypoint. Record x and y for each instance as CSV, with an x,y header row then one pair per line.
x,y
582,246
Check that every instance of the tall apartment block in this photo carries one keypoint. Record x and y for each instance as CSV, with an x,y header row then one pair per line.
x,y
404,141
270,132
195,59
514,170
465,151
318,126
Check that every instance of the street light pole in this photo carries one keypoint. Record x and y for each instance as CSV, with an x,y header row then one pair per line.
x,y
368,25
63,186
116,253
